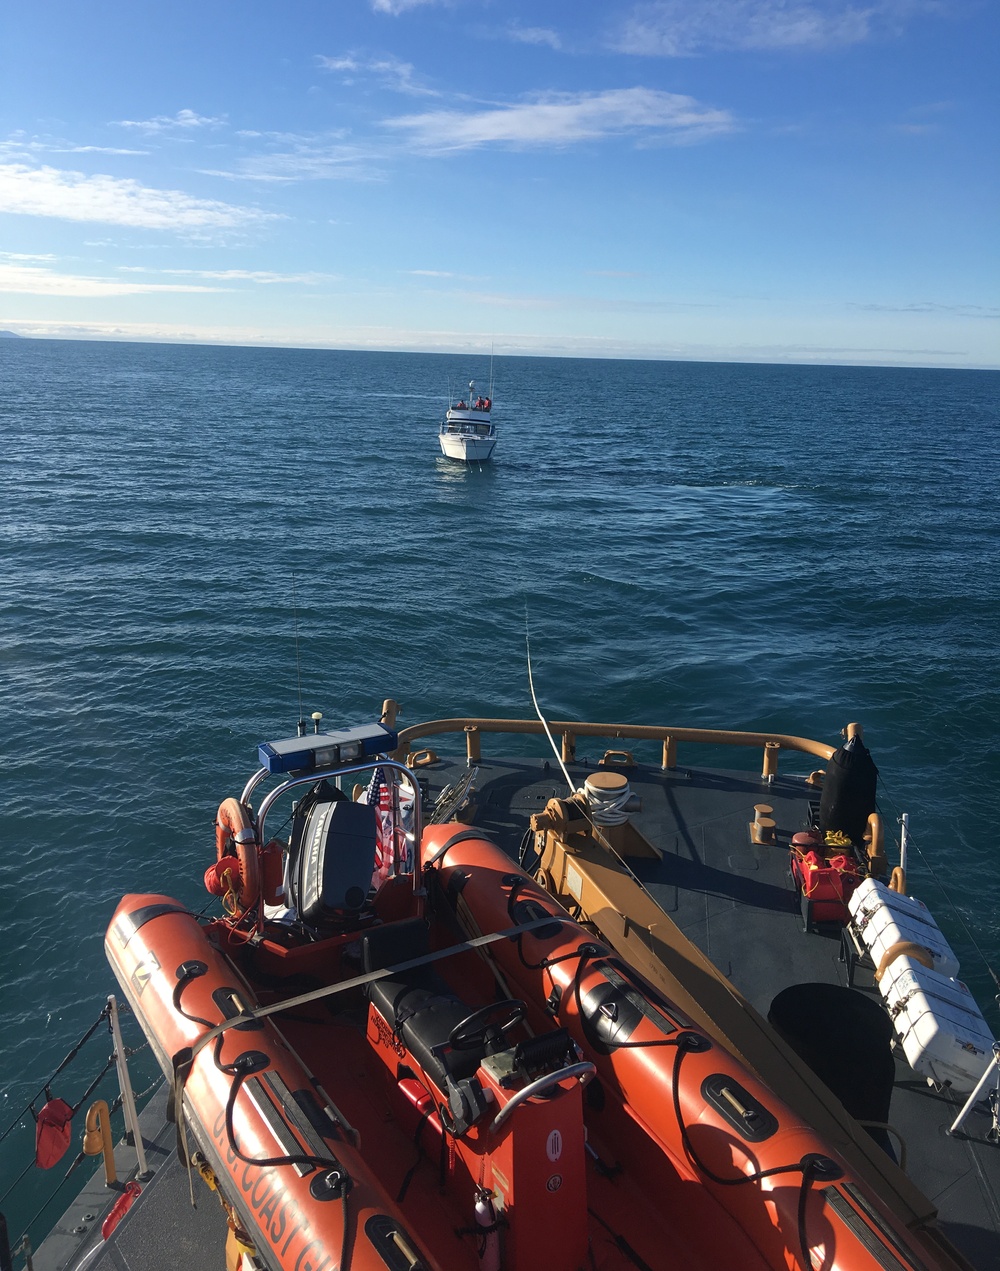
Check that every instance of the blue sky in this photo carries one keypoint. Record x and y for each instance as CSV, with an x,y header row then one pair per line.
x,y
750,180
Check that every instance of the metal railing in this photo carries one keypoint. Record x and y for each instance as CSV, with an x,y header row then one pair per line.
x,y
668,736
125,1102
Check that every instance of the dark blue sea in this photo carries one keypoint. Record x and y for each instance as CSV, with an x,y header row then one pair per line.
x,y
742,546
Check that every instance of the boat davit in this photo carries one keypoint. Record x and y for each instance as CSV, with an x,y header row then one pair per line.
x,y
397,1049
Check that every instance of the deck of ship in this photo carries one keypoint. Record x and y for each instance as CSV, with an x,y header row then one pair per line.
x,y
734,899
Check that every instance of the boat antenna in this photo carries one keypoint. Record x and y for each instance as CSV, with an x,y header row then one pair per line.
x,y
491,372
298,670
538,709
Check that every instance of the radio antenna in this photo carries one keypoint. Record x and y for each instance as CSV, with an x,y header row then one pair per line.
x,y
538,710
298,669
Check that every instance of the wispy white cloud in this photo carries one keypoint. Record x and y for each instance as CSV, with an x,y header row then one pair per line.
x,y
74,196
287,157
26,256
958,311
443,274
34,281
560,119
184,121
924,119
388,71
396,7
20,145
158,332
576,303
94,150
263,276
533,35
678,28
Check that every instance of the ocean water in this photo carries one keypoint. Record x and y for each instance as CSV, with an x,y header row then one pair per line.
x,y
190,537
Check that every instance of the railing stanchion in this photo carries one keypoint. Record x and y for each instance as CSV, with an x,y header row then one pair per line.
x,y
128,1100
992,1068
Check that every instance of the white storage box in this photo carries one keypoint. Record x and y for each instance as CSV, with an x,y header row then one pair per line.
x,y
883,918
942,1030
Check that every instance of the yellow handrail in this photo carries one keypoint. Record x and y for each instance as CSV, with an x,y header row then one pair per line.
x,y
770,743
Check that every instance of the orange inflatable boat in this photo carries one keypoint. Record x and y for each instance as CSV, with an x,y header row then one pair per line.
x,y
435,1067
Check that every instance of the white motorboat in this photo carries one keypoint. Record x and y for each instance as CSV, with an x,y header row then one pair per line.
x,y
468,433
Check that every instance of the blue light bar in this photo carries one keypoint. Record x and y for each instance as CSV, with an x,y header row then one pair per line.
x,y
323,751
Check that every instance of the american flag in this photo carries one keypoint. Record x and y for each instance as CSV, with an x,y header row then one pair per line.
x,y
391,847
379,796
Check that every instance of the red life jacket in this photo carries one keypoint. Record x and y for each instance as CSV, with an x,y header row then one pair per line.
x,y
52,1133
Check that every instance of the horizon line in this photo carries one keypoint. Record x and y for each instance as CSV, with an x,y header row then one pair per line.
x,y
721,359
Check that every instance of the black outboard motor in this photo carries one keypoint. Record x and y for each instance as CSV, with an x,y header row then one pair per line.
x,y
331,857
849,790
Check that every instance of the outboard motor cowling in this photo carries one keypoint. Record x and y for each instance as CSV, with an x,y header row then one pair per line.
x,y
331,868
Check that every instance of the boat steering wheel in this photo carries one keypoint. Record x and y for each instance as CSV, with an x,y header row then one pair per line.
x,y
475,1031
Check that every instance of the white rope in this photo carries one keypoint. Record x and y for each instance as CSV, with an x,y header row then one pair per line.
x,y
607,807
538,712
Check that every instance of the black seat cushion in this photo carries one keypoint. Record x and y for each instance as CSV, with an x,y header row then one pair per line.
x,y
417,1004
424,1021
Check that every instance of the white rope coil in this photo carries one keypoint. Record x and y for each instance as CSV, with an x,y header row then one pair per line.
x,y
607,807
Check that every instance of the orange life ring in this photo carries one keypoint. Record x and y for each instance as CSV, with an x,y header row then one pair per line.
x,y
236,837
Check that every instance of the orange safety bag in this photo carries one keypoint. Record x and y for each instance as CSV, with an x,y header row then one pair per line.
x,y
52,1133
